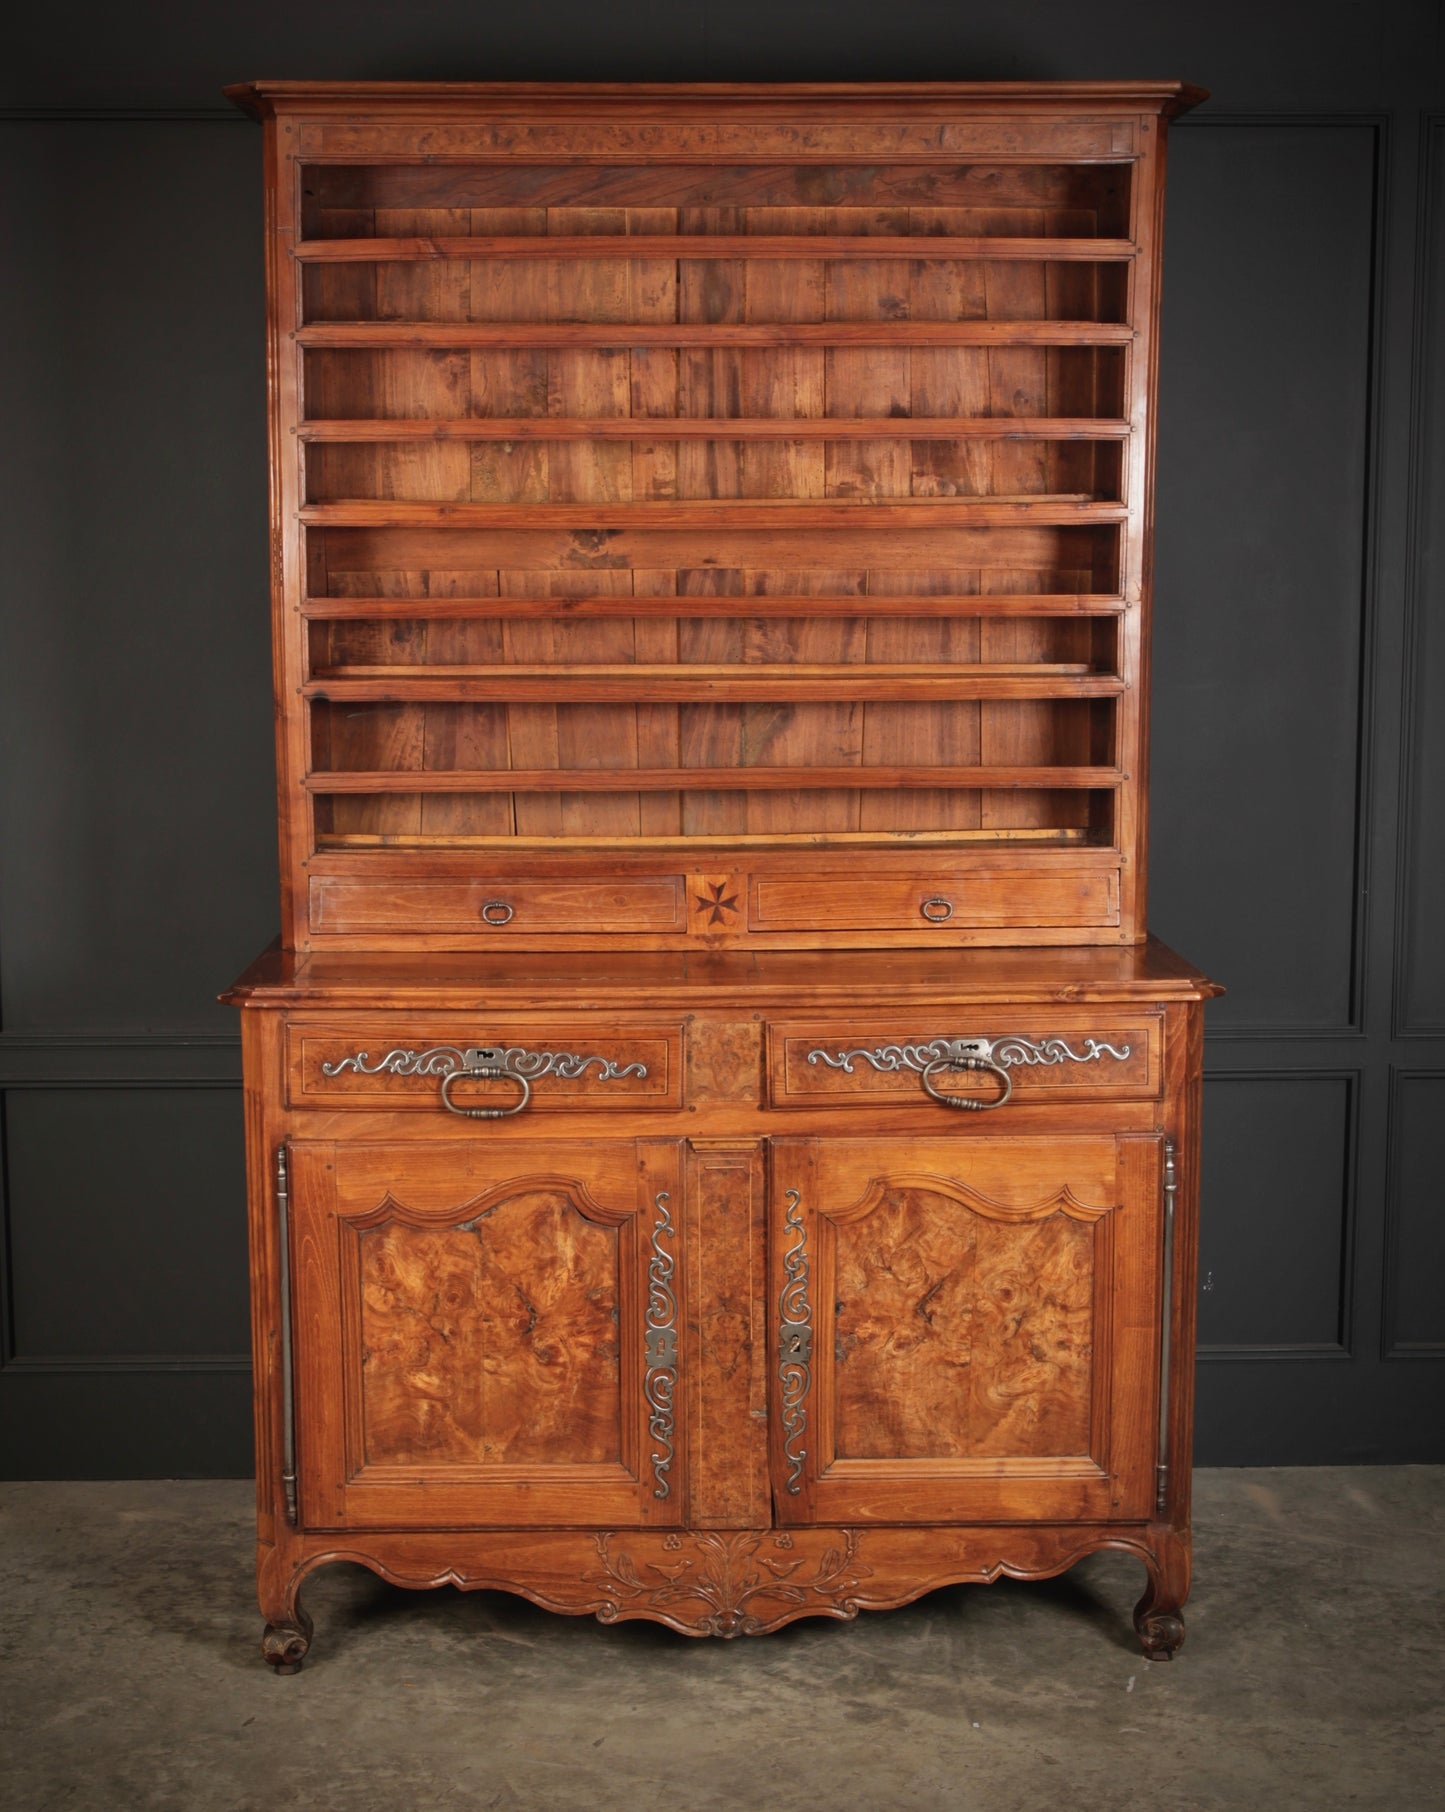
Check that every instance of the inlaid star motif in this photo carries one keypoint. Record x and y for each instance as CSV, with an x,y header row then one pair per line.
x,y
717,902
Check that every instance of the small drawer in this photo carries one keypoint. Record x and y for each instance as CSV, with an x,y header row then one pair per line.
x,y
496,908
973,1054
534,1068
914,902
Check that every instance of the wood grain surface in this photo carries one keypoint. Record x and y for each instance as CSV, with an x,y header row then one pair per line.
x,y
711,537
491,1342
910,360
958,1335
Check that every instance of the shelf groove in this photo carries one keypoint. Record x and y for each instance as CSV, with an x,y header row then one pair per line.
x,y
807,247
735,779
561,335
673,427
1046,510
737,604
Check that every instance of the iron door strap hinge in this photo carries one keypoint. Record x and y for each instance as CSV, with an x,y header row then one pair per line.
x,y
288,1399
1166,1326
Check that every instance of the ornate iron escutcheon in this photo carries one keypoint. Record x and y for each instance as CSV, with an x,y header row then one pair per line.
x,y
659,1347
795,1342
455,1064
997,1056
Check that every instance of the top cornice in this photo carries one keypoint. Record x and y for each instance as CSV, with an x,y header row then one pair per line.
x,y
264,98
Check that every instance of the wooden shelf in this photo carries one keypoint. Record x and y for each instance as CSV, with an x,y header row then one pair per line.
x,y
920,247
712,427
715,513
561,449
703,684
748,604
562,335
737,779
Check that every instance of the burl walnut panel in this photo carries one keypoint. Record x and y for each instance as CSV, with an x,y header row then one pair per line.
x,y
957,1335
493,1340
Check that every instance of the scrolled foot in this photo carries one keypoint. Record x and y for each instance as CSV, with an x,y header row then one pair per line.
x,y
284,1645
1158,1616
1160,1634
288,1628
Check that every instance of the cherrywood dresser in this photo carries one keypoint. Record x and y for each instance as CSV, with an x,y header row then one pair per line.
x,y
722,1146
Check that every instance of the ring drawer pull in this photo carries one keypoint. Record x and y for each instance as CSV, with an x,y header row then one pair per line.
x,y
936,909
485,1113
455,1064
927,1057
497,912
966,1102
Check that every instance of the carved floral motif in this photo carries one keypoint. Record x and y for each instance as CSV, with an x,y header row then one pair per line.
x,y
726,1573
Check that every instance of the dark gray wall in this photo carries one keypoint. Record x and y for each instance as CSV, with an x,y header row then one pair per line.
x,y
1299,767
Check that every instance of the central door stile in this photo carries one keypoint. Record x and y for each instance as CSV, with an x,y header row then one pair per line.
x,y
725,1296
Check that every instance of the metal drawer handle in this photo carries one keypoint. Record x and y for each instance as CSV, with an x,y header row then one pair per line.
x,y
497,912
485,1113
454,1064
936,909
966,1103
996,1055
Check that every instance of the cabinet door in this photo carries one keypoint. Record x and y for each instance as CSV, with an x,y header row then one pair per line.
x,y
965,1329
486,1334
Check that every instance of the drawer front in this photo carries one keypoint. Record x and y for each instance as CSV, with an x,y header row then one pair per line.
x,y
1050,1054
405,1064
496,908
950,903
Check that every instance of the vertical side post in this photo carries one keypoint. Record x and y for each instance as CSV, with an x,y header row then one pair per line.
x,y
288,1405
1166,1318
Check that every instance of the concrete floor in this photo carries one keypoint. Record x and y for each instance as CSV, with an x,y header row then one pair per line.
x,y
130,1677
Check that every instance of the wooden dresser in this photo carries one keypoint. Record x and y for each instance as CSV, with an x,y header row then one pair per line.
x,y
722,1146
